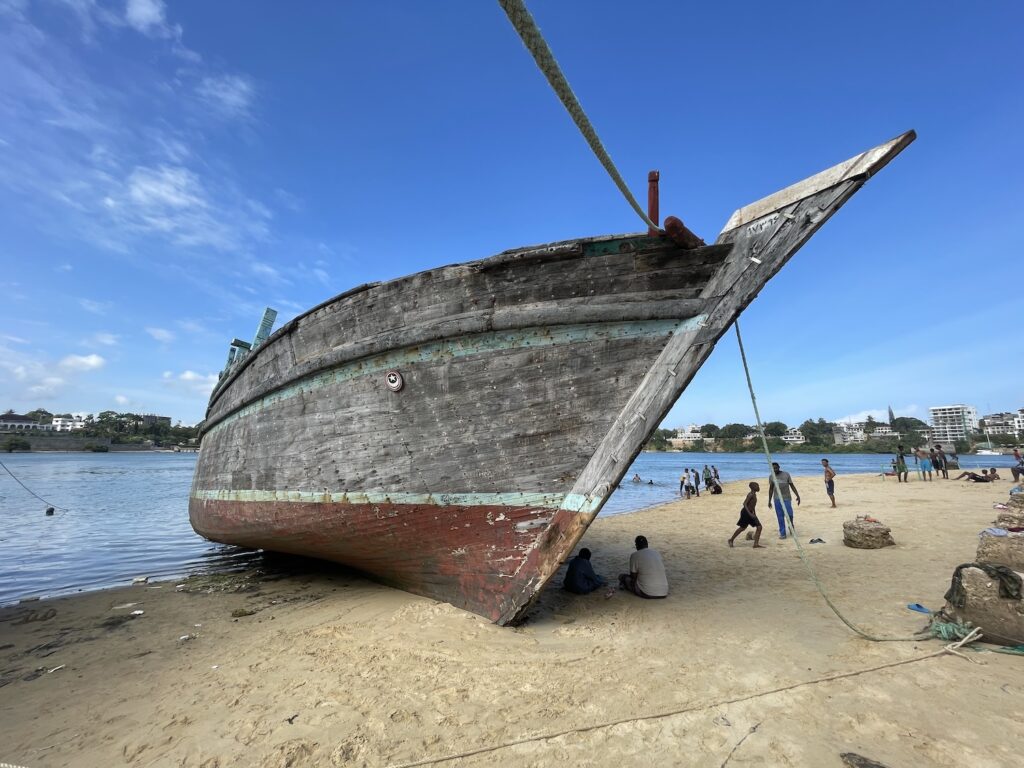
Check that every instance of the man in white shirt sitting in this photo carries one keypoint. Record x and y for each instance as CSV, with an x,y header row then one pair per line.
x,y
646,577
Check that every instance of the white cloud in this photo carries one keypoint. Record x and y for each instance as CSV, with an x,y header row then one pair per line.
x,y
145,15
114,166
193,383
82,362
15,339
48,388
101,339
878,414
160,334
121,400
165,187
96,307
229,95
192,326
64,268
267,272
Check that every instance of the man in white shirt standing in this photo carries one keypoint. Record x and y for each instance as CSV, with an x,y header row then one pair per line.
x,y
646,577
785,482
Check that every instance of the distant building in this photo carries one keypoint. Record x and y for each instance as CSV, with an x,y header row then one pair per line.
x,y
884,430
1018,421
67,423
14,422
846,434
151,420
953,422
794,436
686,437
1002,423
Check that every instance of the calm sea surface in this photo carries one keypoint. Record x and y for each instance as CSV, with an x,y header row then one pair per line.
x,y
127,513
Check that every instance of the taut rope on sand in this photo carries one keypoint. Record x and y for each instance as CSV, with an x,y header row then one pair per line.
x,y
792,527
953,648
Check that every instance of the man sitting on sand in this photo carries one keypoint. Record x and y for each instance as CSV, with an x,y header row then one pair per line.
x,y
986,476
646,577
580,577
748,517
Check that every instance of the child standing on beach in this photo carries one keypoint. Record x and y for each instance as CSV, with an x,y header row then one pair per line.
x,y
748,517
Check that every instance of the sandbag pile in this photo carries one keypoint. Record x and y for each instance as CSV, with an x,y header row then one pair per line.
x,y
988,593
1003,548
988,597
866,533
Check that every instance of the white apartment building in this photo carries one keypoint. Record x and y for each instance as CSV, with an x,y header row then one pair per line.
x,y
794,436
1002,423
953,422
688,436
884,430
13,422
65,424
845,434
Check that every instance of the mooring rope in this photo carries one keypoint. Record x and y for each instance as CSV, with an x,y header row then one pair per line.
x,y
47,503
789,519
953,648
532,38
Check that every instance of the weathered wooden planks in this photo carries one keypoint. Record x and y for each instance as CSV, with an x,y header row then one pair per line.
x,y
531,381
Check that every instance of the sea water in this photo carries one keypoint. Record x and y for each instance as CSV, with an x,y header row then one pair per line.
x,y
126,514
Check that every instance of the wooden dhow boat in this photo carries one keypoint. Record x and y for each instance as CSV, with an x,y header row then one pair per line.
x,y
454,433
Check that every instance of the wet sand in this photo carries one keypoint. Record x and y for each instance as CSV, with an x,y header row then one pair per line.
x,y
324,668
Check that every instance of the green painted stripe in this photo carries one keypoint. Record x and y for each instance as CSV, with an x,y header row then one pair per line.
x,y
466,346
573,501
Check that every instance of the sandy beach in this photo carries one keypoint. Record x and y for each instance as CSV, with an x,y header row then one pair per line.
x,y
743,664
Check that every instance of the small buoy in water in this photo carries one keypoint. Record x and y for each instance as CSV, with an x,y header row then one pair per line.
x,y
49,510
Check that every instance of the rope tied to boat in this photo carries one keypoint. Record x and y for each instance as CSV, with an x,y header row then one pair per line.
x,y
792,528
47,503
532,38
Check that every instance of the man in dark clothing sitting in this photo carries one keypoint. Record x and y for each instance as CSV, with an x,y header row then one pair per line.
x,y
580,578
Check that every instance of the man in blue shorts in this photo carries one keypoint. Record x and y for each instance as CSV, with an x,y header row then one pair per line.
x,y
830,482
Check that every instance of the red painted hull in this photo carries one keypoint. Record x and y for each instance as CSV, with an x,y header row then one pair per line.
x,y
490,560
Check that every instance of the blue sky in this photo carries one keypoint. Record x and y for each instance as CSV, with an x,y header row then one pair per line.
x,y
167,170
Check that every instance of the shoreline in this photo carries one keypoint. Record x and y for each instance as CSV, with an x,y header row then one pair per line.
x,y
321,667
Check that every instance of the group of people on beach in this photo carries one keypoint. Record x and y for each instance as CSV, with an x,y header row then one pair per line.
x,y
690,480
646,576
781,492
926,459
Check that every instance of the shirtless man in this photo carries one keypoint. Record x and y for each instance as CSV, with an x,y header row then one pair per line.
x,y
830,482
924,462
748,517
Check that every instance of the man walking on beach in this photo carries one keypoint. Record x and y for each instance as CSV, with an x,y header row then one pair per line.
x,y
696,483
924,463
785,484
830,482
646,577
901,465
940,464
707,478
748,517
684,483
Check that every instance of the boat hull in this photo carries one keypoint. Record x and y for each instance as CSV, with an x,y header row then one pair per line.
x,y
454,433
